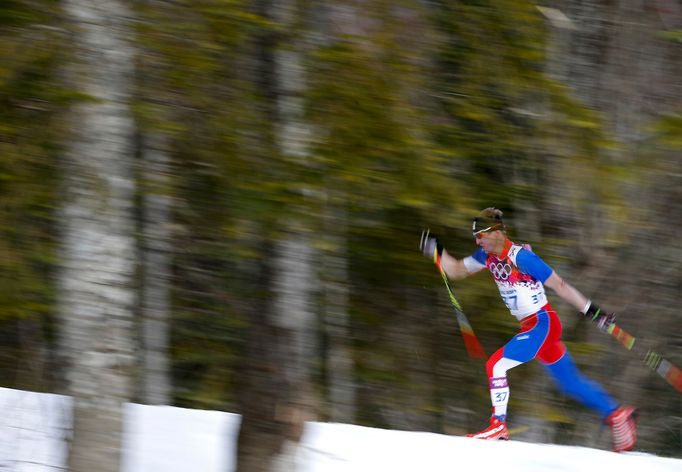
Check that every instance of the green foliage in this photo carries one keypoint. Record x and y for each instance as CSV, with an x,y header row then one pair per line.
x,y
32,100
195,90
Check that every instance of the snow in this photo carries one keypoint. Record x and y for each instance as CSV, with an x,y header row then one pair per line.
x,y
337,448
34,430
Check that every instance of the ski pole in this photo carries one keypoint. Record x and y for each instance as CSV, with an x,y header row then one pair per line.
x,y
471,343
655,361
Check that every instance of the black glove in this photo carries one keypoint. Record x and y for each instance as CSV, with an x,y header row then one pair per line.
x,y
601,318
430,246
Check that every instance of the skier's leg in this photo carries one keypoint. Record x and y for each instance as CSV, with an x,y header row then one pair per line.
x,y
560,365
520,349
576,385
497,367
499,394
622,419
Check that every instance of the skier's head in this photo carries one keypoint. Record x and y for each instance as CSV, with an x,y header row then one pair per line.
x,y
489,231
487,221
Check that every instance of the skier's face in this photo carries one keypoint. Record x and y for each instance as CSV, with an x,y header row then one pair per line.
x,y
492,242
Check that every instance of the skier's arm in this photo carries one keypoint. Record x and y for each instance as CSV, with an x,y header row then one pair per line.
x,y
568,292
454,268
581,303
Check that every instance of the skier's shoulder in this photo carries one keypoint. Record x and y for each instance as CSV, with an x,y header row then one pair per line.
x,y
519,250
523,257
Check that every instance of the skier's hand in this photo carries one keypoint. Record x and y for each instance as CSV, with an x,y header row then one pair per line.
x,y
603,319
430,246
606,320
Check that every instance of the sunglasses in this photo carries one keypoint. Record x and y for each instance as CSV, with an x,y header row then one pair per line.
x,y
478,233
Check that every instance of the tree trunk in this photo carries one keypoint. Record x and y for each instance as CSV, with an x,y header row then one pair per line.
x,y
156,270
271,429
96,298
293,316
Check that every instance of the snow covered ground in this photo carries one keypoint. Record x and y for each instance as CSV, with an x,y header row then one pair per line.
x,y
34,428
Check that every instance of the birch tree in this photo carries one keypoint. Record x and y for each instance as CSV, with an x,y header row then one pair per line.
x,y
96,297
271,429
293,258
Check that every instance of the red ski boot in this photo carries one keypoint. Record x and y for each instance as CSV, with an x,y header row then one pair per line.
x,y
623,422
496,430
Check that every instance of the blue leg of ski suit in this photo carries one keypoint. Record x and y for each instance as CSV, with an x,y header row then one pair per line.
x,y
574,384
540,338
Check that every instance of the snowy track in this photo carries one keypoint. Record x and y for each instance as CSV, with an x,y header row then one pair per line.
x,y
34,429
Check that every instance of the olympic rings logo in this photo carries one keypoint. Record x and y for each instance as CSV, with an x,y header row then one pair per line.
x,y
501,271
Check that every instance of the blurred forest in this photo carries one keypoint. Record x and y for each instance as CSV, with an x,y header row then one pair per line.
x,y
217,204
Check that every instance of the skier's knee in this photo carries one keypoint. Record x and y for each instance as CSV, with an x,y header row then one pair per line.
x,y
498,366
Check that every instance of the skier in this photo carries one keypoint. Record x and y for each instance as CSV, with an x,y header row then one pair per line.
x,y
521,277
